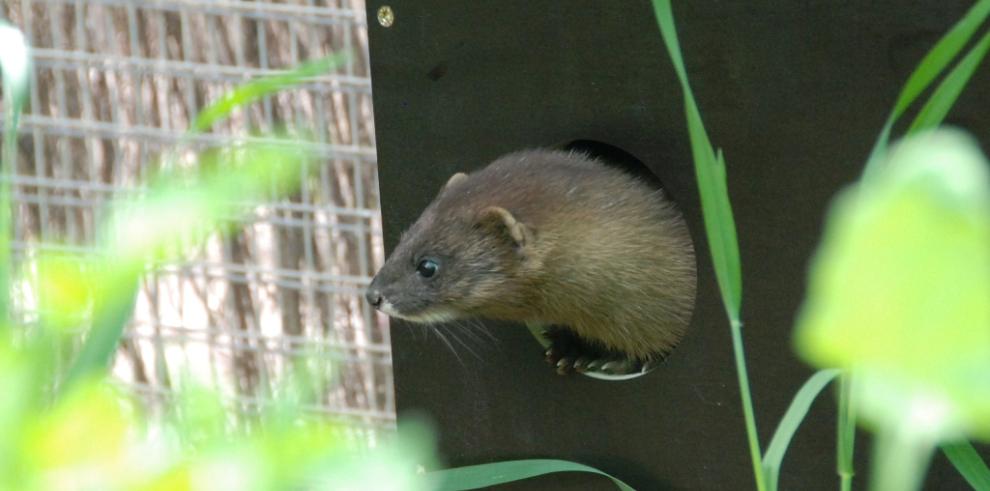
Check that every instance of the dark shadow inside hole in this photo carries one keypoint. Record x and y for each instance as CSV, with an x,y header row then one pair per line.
x,y
615,157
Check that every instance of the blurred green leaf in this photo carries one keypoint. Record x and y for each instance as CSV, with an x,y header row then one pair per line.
x,y
82,441
930,67
846,432
486,475
945,95
901,456
792,419
19,376
93,437
84,434
113,307
15,63
181,208
15,67
899,292
969,463
159,226
256,89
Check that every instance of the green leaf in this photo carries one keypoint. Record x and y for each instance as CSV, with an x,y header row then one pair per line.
x,y
15,62
898,291
720,226
945,95
930,67
256,89
846,433
159,226
941,55
15,66
791,421
901,456
485,475
969,464
111,313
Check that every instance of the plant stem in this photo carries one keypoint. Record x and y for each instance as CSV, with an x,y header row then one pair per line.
x,y
747,403
900,459
846,433
7,162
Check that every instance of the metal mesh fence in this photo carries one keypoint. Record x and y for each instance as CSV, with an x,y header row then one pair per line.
x,y
116,83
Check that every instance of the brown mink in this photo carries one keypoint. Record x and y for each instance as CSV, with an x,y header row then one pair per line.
x,y
555,238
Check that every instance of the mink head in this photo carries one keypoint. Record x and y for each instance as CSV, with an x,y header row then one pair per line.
x,y
459,259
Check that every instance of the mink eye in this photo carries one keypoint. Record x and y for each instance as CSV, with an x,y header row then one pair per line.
x,y
427,268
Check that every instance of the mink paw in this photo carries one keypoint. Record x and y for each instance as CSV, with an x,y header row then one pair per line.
x,y
569,353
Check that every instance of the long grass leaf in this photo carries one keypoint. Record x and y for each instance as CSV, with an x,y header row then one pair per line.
x,y
969,463
15,65
792,419
945,95
173,214
944,51
111,314
720,226
930,67
710,170
220,186
846,433
486,475
261,87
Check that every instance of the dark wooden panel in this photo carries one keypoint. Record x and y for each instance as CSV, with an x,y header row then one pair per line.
x,y
795,93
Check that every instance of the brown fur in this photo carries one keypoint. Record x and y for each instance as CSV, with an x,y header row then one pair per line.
x,y
550,237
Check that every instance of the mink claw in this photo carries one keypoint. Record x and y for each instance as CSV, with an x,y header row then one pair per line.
x,y
581,364
565,365
594,365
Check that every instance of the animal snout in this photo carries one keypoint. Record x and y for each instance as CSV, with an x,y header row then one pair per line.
x,y
374,297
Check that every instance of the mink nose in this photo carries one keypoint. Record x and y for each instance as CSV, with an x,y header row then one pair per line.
x,y
374,297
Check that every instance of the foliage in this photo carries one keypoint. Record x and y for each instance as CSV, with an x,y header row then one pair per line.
x,y
720,227
75,429
894,312
890,281
487,475
893,295
854,327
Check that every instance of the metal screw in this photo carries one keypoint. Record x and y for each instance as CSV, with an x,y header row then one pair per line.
x,y
386,17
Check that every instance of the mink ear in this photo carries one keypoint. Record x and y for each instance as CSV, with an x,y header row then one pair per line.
x,y
454,179
499,220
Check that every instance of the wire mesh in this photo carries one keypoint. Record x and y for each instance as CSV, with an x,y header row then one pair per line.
x,y
116,83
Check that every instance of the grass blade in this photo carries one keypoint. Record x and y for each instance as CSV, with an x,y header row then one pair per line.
x,y
486,475
791,421
945,95
720,226
930,67
261,87
710,169
15,65
900,461
846,438
111,314
969,464
173,214
941,54
265,167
